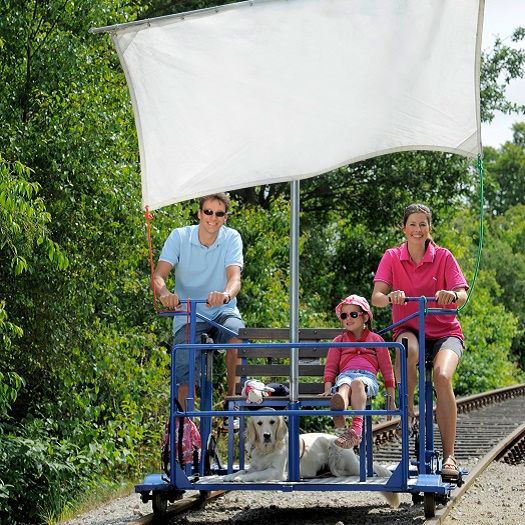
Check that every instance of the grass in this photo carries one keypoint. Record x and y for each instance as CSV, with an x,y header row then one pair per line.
x,y
95,498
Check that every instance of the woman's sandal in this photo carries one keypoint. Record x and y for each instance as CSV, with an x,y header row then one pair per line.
x,y
449,469
348,439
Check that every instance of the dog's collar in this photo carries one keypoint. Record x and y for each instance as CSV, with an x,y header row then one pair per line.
x,y
302,447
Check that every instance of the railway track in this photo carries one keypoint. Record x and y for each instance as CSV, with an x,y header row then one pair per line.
x,y
483,421
491,426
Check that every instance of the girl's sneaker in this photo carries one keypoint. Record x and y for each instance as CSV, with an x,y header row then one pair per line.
x,y
348,439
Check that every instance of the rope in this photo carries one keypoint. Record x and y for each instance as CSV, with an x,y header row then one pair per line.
x,y
480,244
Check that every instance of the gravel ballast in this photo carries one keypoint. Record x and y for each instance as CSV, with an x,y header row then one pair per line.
x,y
497,497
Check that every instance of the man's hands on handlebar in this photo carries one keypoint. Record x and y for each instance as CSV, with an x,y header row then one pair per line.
x,y
218,298
172,301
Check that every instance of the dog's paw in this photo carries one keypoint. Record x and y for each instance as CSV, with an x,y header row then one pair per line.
x,y
229,477
232,477
392,498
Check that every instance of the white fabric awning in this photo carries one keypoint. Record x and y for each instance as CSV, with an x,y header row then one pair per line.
x,y
275,90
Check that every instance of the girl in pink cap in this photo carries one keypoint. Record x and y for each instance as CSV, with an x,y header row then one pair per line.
x,y
351,373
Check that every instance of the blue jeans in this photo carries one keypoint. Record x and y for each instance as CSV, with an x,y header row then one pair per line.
x,y
182,366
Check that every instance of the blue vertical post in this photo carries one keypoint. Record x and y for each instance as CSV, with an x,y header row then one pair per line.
x,y
173,409
422,391
190,401
206,403
369,444
403,406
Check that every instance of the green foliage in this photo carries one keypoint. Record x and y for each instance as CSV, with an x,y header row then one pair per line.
x,y
24,220
83,372
10,384
486,363
264,299
505,258
505,173
31,460
498,68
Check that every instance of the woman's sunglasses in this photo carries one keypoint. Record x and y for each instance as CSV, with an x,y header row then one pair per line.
x,y
217,213
353,315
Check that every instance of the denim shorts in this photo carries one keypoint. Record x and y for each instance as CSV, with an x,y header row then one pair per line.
x,y
368,379
229,320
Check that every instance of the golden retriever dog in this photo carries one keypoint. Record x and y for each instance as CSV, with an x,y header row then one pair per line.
x,y
267,444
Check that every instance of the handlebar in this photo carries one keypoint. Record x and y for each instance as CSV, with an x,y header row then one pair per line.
x,y
414,299
194,301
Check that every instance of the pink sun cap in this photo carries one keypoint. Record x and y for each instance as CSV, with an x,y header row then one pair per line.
x,y
358,301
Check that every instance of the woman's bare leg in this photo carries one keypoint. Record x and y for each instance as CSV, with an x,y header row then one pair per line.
x,y
445,364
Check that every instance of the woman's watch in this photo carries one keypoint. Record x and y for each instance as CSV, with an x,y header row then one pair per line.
x,y
456,296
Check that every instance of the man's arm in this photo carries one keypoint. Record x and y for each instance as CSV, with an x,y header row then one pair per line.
x,y
167,298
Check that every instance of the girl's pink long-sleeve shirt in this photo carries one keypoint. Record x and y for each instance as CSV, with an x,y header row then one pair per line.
x,y
341,359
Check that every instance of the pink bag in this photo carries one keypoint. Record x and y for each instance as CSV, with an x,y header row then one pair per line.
x,y
188,443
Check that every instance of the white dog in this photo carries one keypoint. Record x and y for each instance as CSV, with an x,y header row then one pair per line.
x,y
267,443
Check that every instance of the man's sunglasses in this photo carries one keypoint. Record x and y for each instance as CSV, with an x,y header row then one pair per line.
x,y
353,315
217,213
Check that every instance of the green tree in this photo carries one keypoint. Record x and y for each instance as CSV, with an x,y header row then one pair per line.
x,y
499,67
505,173
504,257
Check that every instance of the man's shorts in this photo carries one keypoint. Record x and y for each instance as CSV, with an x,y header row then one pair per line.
x,y
368,379
229,320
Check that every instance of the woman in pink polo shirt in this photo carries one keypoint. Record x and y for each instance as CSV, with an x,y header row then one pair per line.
x,y
350,374
421,268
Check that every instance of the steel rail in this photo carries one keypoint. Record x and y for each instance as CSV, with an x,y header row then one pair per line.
x,y
496,453
180,506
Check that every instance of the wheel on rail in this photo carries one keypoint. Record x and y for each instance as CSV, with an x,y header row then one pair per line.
x,y
417,498
203,496
430,504
441,499
159,503
176,495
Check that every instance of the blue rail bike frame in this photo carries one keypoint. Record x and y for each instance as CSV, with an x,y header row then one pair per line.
x,y
427,457
206,380
427,478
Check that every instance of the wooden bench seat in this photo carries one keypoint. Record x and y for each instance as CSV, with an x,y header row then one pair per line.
x,y
272,365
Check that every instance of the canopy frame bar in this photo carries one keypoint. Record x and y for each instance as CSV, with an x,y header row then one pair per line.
x,y
182,16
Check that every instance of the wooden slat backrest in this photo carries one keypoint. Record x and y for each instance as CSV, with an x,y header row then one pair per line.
x,y
281,353
283,334
278,370
273,363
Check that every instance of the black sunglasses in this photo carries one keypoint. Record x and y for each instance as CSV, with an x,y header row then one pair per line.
x,y
217,213
353,315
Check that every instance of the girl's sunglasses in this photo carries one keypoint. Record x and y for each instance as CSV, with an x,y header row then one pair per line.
x,y
217,213
353,315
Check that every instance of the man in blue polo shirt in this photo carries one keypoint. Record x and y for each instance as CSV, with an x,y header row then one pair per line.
x,y
208,260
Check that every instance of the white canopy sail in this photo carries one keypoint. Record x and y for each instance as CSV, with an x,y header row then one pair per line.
x,y
276,90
